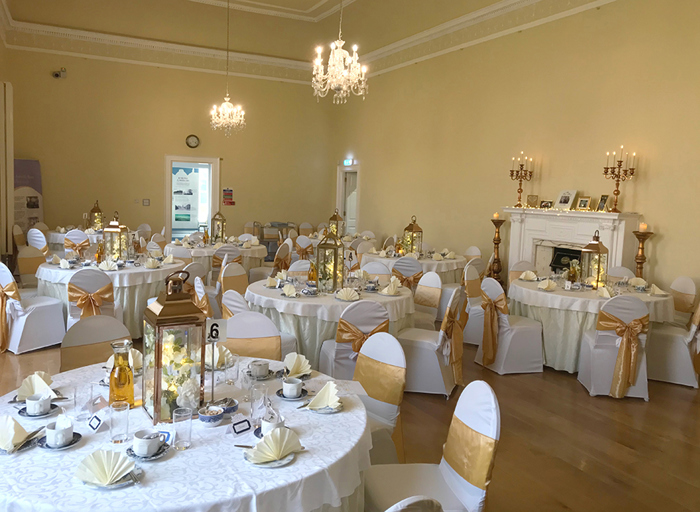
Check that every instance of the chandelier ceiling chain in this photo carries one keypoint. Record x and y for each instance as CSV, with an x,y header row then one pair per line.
x,y
227,117
344,74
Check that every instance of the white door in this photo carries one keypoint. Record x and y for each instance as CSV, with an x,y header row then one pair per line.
x,y
348,195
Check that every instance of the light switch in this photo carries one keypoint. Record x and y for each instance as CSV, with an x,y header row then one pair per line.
x,y
146,202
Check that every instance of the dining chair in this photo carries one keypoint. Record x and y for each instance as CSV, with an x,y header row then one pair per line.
x,y
616,274
252,334
518,268
153,248
472,252
408,270
232,254
233,277
160,240
389,242
202,301
489,266
90,293
76,241
363,248
684,293
416,504
32,323
474,326
41,226
615,365
246,237
37,239
28,261
299,269
18,236
283,258
303,247
460,481
306,229
368,234
323,226
377,269
249,228
427,301
89,341
357,322
144,231
178,252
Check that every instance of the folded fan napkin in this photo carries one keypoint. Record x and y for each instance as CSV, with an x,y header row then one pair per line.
x,y
169,259
232,239
547,285
355,235
156,253
382,254
450,255
361,274
64,263
327,397
276,445
135,360
247,244
445,251
655,290
314,234
392,288
347,238
186,239
289,290
187,245
528,275
282,274
413,255
222,356
36,383
271,282
255,241
11,433
108,265
104,467
365,237
373,250
55,259
604,292
152,263
437,256
297,365
348,294
177,242
62,230
637,281
90,231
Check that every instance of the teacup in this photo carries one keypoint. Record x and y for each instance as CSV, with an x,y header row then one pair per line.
x,y
147,442
58,437
38,404
291,387
267,426
640,288
259,368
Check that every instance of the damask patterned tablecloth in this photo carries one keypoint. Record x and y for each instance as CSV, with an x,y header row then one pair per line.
x,y
252,257
450,271
210,476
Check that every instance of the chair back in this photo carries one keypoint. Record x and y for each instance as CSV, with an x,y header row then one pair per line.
x,y
89,341
153,247
428,291
270,233
28,260
18,236
299,269
416,504
88,281
159,239
368,234
306,229
9,294
684,293
36,238
142,244
195,269
472,252
233,252
248,229
76,241
389,242
283,258
469,453
201,299
472,283
246,237
144,231
363,248
290,243
179,252
408,270
625,307
518,268
321,227
252,334
6,276
303,247
293,234
41,227
377,269
357,323
233,303
233,277
355,244
616,274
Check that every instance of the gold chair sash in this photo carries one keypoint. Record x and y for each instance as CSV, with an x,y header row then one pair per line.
x,y
45,250
470,453
455,334
20,240
473,288
29,266
280,264
348,333
162,245
266,348
304,252
306,231
204,304
238,283
9,291
491,309
408,282
79,247
189,288
304,274
89,303
216,261
683,302
625,373
464,316
85,355
514,275
226,313
249,230
427,296
382,381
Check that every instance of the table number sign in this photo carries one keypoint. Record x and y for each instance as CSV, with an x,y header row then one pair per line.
x,y
239,425
100,413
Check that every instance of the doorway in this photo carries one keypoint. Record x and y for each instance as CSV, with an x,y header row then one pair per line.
x,y
348,194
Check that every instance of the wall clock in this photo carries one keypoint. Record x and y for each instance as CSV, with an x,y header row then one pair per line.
x,y
192,141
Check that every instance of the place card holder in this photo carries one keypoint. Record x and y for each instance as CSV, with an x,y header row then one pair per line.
x,y
100,414
239,425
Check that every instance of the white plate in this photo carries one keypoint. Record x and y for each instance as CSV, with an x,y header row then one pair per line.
x,y
346,300
160,453
274,464
42,443
53,410
328,410
125,481
280,394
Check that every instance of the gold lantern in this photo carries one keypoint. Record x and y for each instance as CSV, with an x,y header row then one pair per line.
x,y
96,217
330,264
113,239
336,224
412,237
173,340
595,262
124,242
218,228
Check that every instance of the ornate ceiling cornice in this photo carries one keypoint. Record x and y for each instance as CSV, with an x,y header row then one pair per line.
x,y
283,12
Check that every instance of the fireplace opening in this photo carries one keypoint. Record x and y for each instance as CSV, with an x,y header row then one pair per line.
x,y
561,258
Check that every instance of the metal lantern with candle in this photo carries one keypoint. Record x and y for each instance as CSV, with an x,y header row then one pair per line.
x,y
124,242
96,217
413,237
218,228
173,340
113,239
330,263
336,224
595,262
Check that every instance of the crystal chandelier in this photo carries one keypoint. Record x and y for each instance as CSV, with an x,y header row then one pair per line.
x,y
227,117
345,75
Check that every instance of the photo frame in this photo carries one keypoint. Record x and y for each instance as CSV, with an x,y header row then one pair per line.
x,y
532,201
583,204
566,199
546,204
602,204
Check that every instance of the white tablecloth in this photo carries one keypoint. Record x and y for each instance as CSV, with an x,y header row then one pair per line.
x,y
252,257
566,315
133,286
55,240
316,241
450,271
315,319
210,476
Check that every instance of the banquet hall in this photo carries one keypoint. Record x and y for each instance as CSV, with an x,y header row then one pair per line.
x,y
347,255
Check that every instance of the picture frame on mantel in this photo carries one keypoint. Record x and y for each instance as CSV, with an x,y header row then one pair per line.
x,y
602,204
566,200
532,201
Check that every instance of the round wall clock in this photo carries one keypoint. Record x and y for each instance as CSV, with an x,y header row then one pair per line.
x,y
192,141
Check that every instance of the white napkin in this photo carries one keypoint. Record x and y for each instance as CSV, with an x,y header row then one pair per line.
x,y
255,241
276,445
547,285
135,360
108,265
233,239
222,356
177,242
55,259
151,263
247,244
38,382
604,292
282,275
327,397
413,255
289,290
156,253
355,235
89,231
69,227
392,288
365,237
297,365
187,245
382,254
528,275
64,263
445,251
450,255
314,234
347,238
271,282
373,250
185,239
348,294
104,467
169,259
655,290
637,281
11,433
58,229
62,230
437,256
361,274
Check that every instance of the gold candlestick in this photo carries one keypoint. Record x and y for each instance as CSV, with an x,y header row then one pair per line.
x,y
496,266
521,174
617,173
640,258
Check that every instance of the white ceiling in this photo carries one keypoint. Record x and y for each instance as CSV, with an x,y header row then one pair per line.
x,y
304,10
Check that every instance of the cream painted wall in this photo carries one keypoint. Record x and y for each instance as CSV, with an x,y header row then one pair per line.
x,y
103,133
4,65
435,139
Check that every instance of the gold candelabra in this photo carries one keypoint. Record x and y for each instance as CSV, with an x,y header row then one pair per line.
x,y
640,258
496,266
621,170
519,172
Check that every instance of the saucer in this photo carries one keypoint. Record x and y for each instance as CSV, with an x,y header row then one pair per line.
x,y
161,452
124,481
274,464
280,374
270,374
304,394
258,432
58,394
42,443
26,446
52,410
328,410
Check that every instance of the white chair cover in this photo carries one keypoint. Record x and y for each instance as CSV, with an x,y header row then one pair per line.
x,y
246,237
389,242
684,294
306,229
616,274
179,252
260,273
474,330
235,302
94,334
518,268
299,269
144,231
250,324
321,227
427,301
91,280
368,234
18,236
472,252
407,266
234,270
416,504
37,239
153,247
159,239
76,236
195,269
363,248
302,241
28,260
41,226
355,244
377,269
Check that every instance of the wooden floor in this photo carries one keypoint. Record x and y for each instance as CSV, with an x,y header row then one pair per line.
x,y
560,449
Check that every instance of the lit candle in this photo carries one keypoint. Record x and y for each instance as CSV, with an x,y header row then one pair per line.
x,y
495,215
621,148
627,160
643,227
634,158
512,166
607,160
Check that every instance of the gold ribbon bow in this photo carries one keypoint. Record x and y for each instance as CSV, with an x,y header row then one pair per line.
x,y
189,288
78,248
348,333
216,261
226,313
203,304
454,332
45,250
491,308
280,264
304,252
625,373
89,303
9,291
408,282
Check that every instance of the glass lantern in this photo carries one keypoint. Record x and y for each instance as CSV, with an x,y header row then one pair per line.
x,y
124,242
330,264
173,340
112,235
218,228
95,217
595,262
412,237
336,224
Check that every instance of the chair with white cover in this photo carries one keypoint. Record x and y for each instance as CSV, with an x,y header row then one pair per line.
x,y
196,269
489,266
447,288
232,303
427,301
672,353
355,244
142,245
363,248
684,293
249,229
202,300
306,229
377,269
76,241
612,359
232,254
303,247
434,358
18,236
179,253
381,369
27,323
144,231
90,341
510,344
37,239
196,237
408,271
357,322
283,258
233,277
28,260
246,237
299,269
473,322
368,234
293,234
416,504
472,252
617,274
160,240
91,293
41,226
152,248
252,334
461,479
389,242
518,268
323,226
270,233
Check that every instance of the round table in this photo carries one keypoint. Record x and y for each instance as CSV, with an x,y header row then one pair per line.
x,y
313,320
55,240
566,315
252,257
211,474
133,286
450,271
346,243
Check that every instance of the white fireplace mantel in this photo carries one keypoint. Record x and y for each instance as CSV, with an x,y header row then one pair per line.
x,y
531,226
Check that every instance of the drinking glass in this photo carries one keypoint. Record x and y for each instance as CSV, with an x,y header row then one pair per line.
x,y
245,383
258,394
80,400
182,428
119,422
232,370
